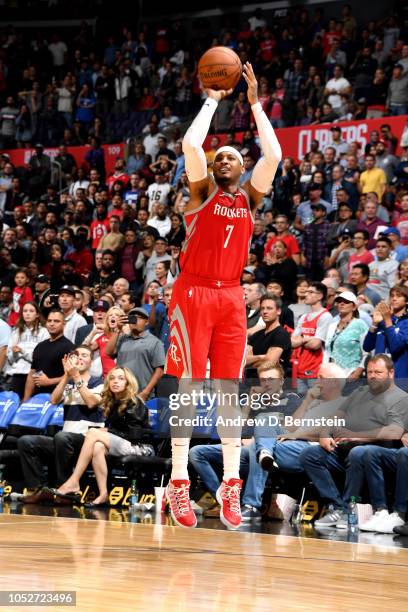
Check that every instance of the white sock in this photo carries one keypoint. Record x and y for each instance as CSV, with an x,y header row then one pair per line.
x,y
231,453
179,455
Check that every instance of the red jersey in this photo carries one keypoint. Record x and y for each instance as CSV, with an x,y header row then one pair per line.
x,y
107,362
292,245
83,261
218,236
123,177
98,230
21,295
309,362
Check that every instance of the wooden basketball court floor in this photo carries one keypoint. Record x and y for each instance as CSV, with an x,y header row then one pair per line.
x,y
120,566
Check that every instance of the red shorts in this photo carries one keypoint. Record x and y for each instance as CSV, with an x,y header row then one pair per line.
x,y
208,321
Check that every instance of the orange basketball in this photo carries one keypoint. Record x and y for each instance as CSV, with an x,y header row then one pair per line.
x,y
219,68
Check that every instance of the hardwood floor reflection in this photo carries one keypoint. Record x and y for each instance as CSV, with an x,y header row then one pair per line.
x,y
115,565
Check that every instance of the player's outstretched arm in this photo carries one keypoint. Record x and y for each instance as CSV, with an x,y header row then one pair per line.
x,y
265,169
195,160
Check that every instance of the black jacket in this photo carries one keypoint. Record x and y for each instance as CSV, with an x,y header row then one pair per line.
x,y
131,424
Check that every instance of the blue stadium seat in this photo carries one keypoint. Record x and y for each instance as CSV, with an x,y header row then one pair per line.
x,y
56,421
32,416
159,413
9,402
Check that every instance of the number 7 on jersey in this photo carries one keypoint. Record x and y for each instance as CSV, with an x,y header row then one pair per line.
x,y
229,229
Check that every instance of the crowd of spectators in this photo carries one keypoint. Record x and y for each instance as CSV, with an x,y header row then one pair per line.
x,y
90,269
312,68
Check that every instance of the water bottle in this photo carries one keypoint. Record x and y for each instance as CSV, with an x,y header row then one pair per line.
x,y
352,516
134,496
2,483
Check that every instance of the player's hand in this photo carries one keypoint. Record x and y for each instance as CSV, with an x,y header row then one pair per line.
x,y
219,94
249,76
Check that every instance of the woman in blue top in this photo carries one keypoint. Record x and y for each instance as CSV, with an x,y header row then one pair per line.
x,y
86,102
389,331
345,337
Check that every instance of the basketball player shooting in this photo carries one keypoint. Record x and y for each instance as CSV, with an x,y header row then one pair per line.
x,y
207,310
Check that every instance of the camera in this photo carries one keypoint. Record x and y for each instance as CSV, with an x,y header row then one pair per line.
x,y
132,318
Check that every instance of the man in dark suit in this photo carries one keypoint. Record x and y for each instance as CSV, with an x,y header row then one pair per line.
x,y
338,182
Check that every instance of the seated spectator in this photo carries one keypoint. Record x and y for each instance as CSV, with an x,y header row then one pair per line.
x,y
375,412
283,446
271,344
28,332
125,419
389,330
80,394
345,337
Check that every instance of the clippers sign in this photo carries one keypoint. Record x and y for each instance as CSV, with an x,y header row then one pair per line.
x,y
296,141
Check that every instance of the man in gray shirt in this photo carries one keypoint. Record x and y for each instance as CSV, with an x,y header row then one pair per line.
x,y
375,414
397,98
139,351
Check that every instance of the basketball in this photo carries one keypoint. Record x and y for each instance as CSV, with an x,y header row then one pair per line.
x,y
219,68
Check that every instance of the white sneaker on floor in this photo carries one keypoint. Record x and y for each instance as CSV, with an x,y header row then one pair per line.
x,y
387,524
371,524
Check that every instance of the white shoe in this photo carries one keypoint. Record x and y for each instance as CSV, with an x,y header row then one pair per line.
x,y
387,524
371,524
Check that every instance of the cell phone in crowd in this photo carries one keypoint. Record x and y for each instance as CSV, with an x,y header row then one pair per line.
x,y
132,318
160,292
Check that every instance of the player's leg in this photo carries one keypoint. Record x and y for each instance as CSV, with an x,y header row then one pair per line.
x,y
227,355
190,334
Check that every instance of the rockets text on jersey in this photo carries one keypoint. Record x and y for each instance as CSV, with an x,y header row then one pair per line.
x,y
218,236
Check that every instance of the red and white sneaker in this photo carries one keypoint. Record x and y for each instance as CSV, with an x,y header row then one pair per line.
x,y
229,498
178,496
